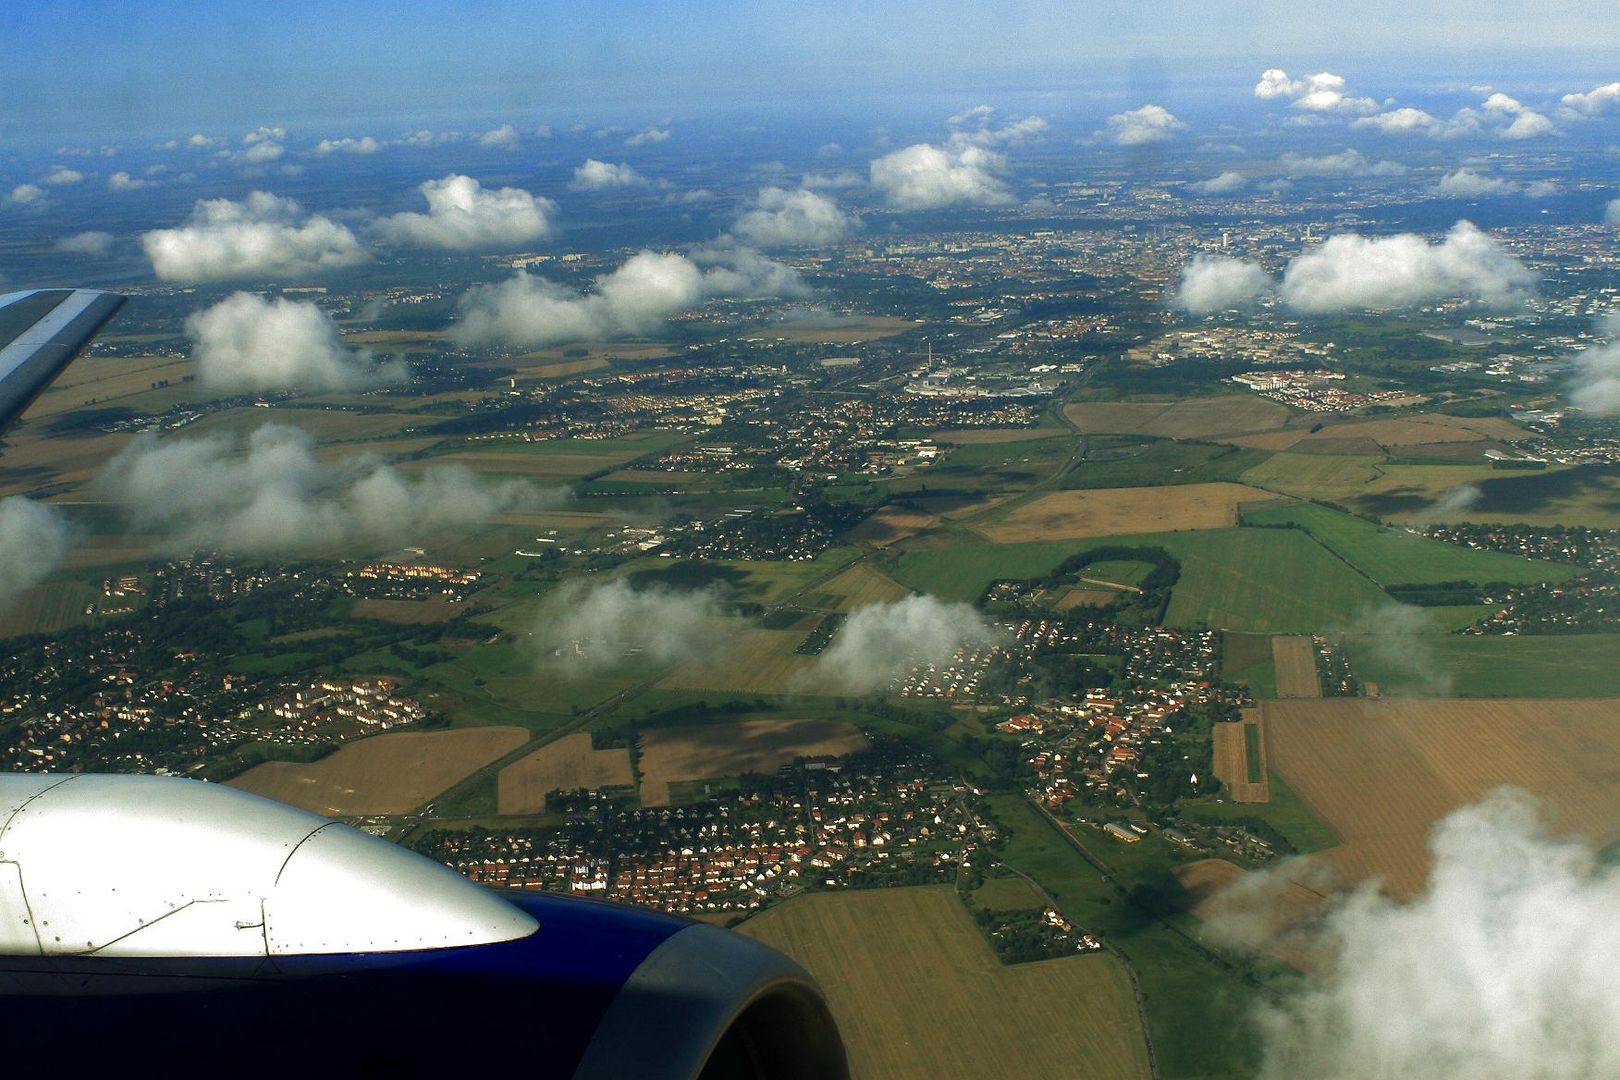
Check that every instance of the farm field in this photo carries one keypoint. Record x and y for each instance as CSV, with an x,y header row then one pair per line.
x,y
1196,1008
848,330
861,585
1295,658
1580,495
917,992
1486,666
892,524
970,436
706,751
384,774
754,661
1312,476
1209,884
1255,580
1380,773
1248,658
1193,418
1235,745
1065,515
1397,557
1161,463
1264,581
564,765
1389,435
430,610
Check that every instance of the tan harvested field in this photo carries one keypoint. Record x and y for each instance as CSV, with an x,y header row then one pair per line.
x,y
1295,658
706,751
384,774
431,610
561,369
918,995
850,330
1074,515
1381,772
1232,761
32,458
892,524
755,661
992,436
1194,418
861,585
107,379
564,765
539,465
391,337
1270,911
1354,436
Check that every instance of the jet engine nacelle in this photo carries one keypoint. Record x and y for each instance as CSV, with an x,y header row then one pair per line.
x,y
171,926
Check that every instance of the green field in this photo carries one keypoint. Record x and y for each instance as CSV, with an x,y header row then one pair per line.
x,y
1277,581
1551,666
1166,462
1117,571
1257,580
917,992
1197,1007
1285,813
1397,557
1247,658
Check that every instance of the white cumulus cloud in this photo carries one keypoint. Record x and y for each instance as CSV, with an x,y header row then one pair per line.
x,y
1224,184
1351,271
1502,969
880,643
123,181
781,218
1344,163
273,496
1144,125
463,215
1215,283
246,342
585,629
1597,372
505,137
648,137
1465,183
929,177
262,236
633,299
1323,92
365,144
595,175
86,243
1594,102
24,194
62,176
34,539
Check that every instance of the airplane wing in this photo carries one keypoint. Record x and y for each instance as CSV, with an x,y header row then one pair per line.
x,y
40,331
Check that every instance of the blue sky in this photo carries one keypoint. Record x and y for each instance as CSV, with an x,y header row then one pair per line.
x,y
127,68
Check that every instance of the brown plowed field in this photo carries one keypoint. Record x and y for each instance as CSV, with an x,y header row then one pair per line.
x,y
1381,772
